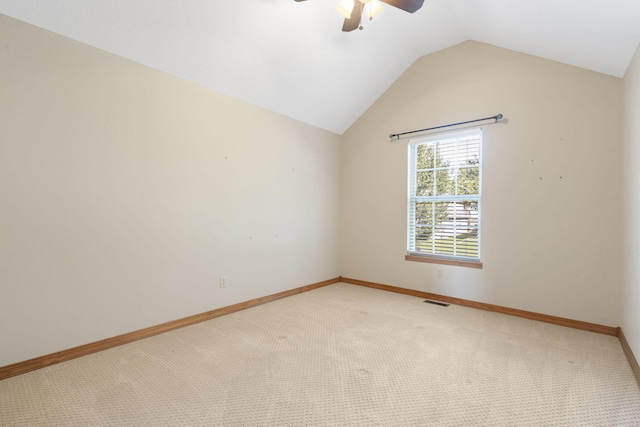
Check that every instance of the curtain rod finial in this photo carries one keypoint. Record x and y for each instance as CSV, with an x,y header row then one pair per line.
x,y
499,117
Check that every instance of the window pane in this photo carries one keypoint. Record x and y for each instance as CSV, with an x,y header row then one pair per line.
x,y
467,243
424,213
443,240
424,183
469,181
466,214
425,156
424,239
468,152
445,153
442,213
445,183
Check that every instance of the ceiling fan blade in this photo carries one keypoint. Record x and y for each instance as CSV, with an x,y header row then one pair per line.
x,y
406,5
353,22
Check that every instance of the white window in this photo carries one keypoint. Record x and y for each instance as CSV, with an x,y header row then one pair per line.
x,y
444,196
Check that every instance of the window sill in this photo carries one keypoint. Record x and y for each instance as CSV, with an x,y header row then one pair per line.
x,y
459,263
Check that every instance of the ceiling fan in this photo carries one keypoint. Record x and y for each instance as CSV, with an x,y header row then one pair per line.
x,y
354,18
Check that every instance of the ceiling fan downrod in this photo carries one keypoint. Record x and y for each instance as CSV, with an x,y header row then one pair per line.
x,y
353,12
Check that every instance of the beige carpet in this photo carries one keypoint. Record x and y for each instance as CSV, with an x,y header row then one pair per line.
x,y
341,355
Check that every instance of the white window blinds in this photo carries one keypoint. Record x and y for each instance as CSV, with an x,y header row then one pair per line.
x,y
444,196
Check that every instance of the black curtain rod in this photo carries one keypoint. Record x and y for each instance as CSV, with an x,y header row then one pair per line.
x,y
398,135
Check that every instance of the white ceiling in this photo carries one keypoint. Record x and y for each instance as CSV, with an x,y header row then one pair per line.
x,y
293,59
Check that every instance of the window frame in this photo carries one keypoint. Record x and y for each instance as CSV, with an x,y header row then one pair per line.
x,y
412,198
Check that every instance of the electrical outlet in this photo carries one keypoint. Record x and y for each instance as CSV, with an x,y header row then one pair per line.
x,y
440,273
223,281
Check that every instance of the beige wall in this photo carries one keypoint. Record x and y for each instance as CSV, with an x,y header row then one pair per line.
x,y
631,291
125,194
552,201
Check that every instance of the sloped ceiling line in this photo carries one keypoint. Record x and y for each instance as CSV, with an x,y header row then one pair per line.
x,y
291,57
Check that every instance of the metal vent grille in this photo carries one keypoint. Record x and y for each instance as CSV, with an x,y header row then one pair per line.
x,y
441,304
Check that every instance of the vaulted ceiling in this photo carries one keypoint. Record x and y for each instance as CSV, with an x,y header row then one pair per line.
x,y
292,58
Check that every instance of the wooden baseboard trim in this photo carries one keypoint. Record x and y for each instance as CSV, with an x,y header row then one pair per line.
x,y
629,353
576,324
83,350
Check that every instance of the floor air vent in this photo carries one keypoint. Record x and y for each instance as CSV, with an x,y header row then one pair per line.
x,y
441,304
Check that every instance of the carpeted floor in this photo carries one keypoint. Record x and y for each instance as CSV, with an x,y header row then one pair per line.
x,y
341,355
